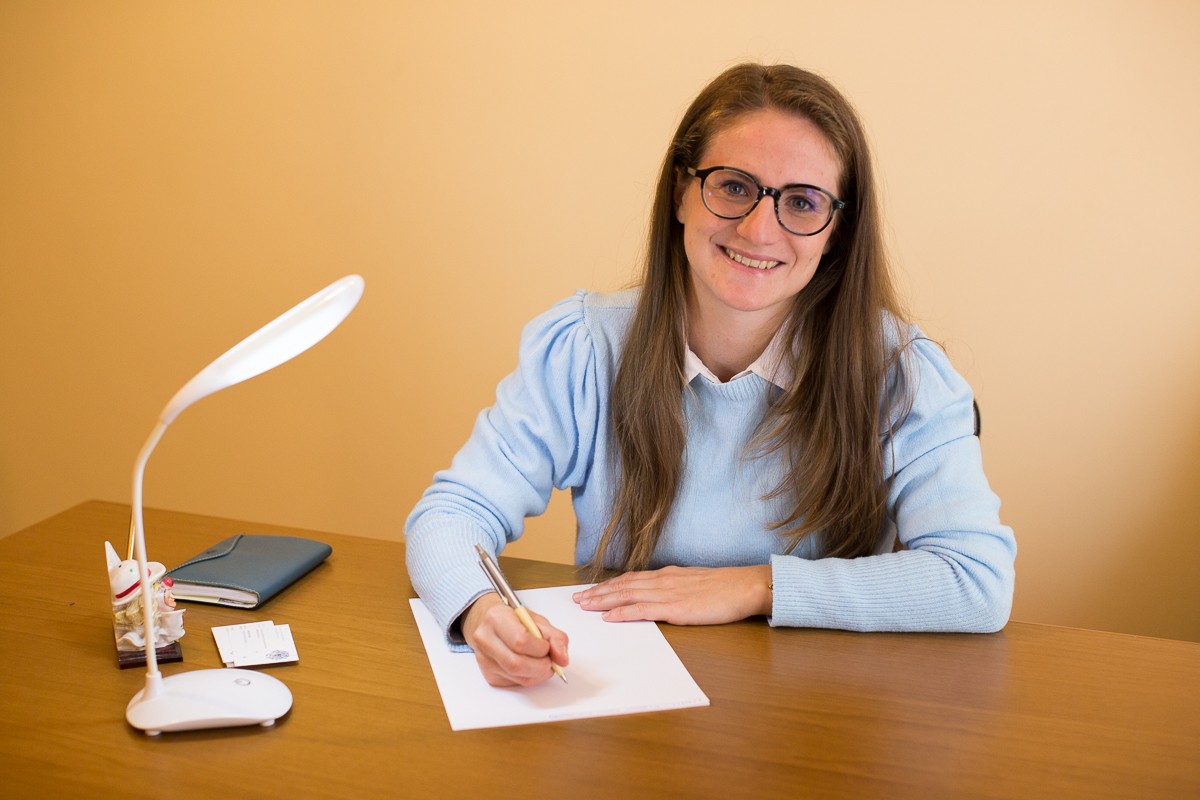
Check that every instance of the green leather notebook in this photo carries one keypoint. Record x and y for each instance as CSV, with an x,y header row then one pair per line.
x,y
246,570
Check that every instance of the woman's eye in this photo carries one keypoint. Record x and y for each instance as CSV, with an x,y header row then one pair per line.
x,y
800,204
734,189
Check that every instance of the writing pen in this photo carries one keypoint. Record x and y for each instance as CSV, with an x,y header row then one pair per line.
x,y
498,581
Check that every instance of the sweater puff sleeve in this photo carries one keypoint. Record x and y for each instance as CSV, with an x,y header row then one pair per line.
x,y
537,436
956,571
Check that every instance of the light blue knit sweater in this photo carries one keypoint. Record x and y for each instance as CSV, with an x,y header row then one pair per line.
x,y
549,428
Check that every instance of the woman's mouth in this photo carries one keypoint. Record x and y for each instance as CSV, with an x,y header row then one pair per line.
x,y
753,263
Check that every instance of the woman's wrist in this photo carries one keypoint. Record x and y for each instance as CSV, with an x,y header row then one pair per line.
x,y
767,584
469,620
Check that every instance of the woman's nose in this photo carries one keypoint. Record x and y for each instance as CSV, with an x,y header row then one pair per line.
x,y
760,224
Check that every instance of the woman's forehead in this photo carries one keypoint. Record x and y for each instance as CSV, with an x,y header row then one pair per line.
x,y
776,147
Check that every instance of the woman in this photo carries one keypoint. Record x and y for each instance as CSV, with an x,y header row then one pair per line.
x,y
754,430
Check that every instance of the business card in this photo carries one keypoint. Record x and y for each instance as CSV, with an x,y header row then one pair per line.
x,y
255,644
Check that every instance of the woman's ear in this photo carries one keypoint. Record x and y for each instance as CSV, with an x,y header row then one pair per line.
x,y
681,179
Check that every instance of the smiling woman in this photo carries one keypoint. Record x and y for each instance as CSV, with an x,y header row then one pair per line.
x,y
748,432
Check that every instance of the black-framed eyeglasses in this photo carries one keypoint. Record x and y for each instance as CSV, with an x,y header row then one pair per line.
x,y
801,209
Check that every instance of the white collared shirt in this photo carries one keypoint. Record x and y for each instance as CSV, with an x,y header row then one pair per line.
x,y
768,366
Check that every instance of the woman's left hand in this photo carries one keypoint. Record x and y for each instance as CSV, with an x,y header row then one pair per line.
x,y
682,595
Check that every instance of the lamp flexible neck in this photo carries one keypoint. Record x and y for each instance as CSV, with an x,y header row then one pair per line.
x,y
139,549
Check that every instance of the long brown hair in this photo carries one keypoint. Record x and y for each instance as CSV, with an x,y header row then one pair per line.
x,y
829,424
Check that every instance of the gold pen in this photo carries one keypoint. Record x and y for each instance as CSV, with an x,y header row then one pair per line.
x,y
498,581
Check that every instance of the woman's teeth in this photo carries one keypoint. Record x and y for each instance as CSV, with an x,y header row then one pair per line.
x,y
750,262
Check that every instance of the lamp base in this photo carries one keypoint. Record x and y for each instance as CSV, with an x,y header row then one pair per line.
x,y
208,698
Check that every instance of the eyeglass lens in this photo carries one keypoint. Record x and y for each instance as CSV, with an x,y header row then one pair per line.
x,y
732,194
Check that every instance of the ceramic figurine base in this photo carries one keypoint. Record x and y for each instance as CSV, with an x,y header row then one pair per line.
x,y
170,654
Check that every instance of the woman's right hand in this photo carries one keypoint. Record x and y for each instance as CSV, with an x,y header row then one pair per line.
x,y
509,655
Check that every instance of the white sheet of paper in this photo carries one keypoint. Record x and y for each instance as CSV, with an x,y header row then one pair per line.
x,y
616,668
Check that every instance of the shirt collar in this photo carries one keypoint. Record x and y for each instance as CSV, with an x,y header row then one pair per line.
x,y
770,366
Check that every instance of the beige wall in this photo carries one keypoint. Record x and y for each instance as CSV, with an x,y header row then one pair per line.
x,y
172,175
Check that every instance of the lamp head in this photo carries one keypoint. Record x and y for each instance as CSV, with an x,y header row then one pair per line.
x,y
280,340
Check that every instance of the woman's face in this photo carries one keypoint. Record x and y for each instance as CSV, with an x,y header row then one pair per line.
x,y
748,270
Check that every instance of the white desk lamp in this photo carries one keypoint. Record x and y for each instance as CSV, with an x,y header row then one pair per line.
x,y
219,698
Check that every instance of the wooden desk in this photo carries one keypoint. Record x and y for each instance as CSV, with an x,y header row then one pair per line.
x,y
1034,711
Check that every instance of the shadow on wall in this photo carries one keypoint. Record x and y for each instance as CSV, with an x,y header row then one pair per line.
x,y
1152,583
